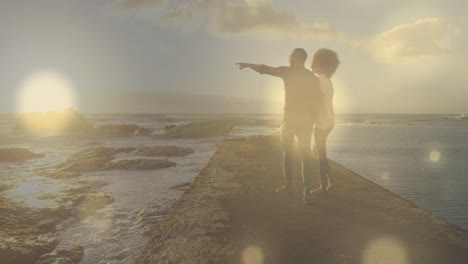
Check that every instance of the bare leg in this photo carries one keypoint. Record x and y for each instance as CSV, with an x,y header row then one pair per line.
x,y
287,140
321,151
304,137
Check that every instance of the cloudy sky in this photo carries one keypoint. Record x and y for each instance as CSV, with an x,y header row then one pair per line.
x,y
117,55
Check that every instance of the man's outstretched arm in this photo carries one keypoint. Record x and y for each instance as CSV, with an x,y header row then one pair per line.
x,y
263,69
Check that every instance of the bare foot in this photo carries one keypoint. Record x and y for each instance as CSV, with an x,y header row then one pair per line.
x,y
285,189
318,191
331,184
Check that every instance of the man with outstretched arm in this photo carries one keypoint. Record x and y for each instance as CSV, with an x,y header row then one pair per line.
x,y
301,106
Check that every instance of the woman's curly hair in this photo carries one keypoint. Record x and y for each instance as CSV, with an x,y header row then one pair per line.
x,y
327,60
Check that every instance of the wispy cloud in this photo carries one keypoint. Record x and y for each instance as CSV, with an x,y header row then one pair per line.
x,y
259,18
422,38
135,4
228,18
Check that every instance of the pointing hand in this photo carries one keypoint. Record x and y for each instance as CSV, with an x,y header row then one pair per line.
x,y
242,65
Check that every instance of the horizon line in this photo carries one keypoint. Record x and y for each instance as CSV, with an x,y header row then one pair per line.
x,y
230,113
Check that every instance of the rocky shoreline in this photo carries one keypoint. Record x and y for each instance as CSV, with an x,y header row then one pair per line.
x,y
31,233
230,214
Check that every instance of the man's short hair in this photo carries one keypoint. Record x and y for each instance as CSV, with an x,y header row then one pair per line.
x,y
300,54
327,60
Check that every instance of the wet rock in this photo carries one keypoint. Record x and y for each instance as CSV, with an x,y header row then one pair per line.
x,y
168,127
67,121
372,123
61,174
92,144
274,122
100,158
17,154
140,164
76,196
4,187
23,239
47,196
123,254
119,131
126,150
182,186
26,250
148,219
29,235
71,121
58,213
97,201
208,128
63,256
88,160
164,151
86,165
94,152
87,186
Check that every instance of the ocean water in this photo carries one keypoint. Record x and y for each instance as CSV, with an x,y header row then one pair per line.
x,y
423,158
420,157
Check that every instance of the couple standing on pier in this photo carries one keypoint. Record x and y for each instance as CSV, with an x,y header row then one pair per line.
x,y
308,110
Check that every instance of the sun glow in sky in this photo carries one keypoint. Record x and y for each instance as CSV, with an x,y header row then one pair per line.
x,y
45,92
396,57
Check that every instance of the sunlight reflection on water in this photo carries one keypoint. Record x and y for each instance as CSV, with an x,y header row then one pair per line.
x,y
36,192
